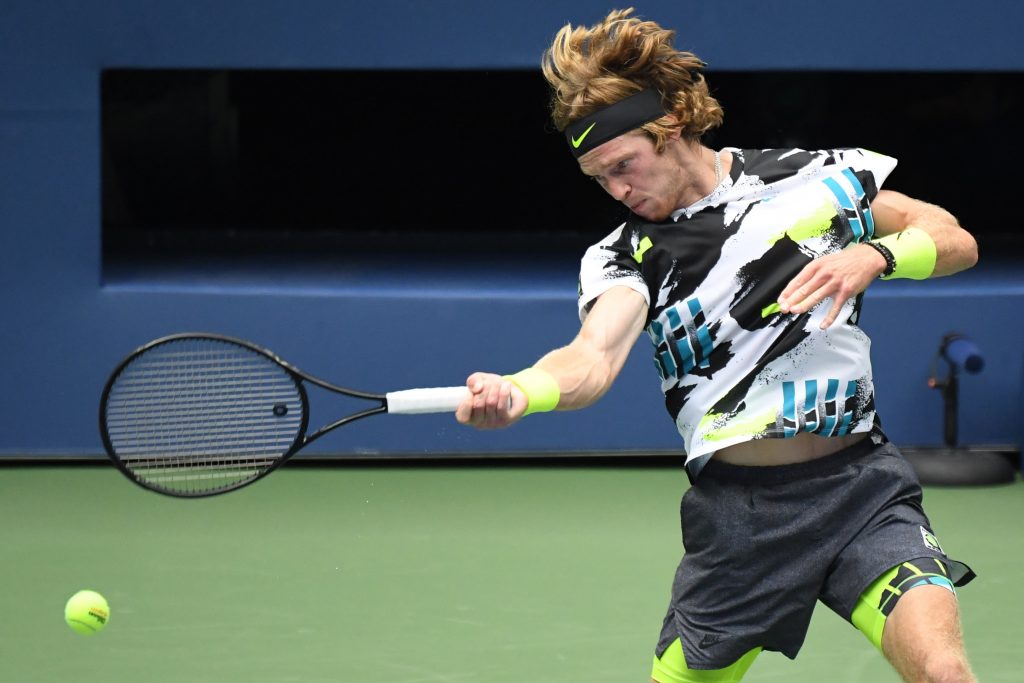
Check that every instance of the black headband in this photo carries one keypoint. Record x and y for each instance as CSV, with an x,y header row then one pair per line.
x,y
613,120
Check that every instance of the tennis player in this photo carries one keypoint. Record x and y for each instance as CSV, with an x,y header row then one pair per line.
x,y
746,268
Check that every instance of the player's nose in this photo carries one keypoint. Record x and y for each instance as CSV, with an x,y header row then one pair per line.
x,y
619,190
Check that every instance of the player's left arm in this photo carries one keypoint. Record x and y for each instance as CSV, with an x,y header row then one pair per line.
x,y
846,274
955,248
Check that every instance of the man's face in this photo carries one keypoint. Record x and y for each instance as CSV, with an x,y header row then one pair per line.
x,y
633,172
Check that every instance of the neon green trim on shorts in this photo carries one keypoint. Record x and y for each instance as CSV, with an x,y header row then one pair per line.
x,y
875,603
671,668
867,615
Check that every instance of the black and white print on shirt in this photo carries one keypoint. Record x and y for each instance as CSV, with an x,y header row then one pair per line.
x,y
733,367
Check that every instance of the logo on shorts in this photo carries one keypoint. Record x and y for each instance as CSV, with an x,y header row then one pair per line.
x,y
930,541
710,639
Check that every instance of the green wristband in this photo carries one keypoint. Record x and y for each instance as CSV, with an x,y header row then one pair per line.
x,y
540,387
914,252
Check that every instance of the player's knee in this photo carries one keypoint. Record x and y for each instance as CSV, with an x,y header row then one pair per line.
x,y
946,667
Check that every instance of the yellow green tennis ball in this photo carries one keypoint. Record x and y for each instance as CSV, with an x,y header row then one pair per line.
x,y
87,612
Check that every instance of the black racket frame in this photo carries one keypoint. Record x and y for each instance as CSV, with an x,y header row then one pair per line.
x,y
298,376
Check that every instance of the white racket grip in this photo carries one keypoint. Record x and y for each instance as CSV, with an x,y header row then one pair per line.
x,y
433,400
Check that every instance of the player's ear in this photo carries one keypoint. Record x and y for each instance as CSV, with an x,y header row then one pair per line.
x,y
671,122
675,134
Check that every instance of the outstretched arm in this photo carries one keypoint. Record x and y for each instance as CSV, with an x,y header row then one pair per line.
x,y
584,370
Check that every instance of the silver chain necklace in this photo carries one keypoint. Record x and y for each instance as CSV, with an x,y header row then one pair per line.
x,y
718,168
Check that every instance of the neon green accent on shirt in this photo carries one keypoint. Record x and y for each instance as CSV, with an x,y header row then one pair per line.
x,y
641,249
814,224
576,142
771,309
750,427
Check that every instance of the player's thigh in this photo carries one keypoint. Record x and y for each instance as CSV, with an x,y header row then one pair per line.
x,y
922,636
881,599
911,615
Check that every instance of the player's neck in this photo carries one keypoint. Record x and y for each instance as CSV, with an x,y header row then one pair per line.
x,y
699,174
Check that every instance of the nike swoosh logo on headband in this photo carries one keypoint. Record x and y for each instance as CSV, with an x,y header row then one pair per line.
x,y
576,142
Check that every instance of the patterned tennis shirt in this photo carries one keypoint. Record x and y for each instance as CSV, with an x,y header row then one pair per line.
x,y
733,368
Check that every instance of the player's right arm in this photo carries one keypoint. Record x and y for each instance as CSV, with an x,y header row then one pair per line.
x,y
584,370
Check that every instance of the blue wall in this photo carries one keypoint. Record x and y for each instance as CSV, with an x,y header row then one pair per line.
x,y
64,323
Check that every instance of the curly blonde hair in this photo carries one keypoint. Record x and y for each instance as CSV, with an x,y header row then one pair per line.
x,y
591,68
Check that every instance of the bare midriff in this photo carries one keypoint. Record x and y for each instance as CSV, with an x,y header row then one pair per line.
x,y
800,448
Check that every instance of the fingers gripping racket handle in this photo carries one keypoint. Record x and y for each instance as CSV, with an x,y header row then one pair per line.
x,y
435,400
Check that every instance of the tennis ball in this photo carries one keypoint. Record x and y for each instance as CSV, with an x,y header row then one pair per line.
x,y
87,612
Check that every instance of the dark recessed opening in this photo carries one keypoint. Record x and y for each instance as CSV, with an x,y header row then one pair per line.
x,y
232,162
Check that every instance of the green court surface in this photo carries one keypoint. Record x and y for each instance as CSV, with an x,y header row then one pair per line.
x,y
416,574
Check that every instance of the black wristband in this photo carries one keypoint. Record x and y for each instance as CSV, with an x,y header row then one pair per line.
x,y
890,260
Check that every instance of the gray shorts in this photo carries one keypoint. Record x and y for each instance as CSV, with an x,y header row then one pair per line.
x,y
763,544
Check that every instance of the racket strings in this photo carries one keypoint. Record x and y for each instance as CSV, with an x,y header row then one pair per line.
x,y
197,415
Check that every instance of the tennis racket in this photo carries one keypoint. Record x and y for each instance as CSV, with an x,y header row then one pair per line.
x,y
193,415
